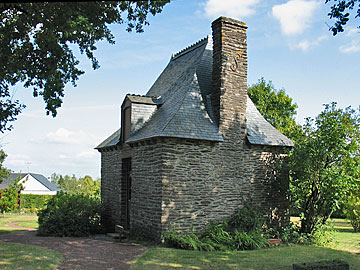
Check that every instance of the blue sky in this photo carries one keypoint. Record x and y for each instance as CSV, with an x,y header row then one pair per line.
x,y
288,43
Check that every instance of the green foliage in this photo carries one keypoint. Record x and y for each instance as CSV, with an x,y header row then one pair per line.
x,y
323,235
36,42
4,173
325,164
241,231
246,219
10,197
340,10
353,211
72,185
188,241
290,234
70,215
33,203
276,107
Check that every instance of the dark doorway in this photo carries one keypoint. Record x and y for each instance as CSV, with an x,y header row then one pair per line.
x,y
126,192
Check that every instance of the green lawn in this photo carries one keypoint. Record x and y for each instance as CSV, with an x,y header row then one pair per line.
x,y
281,258
21,257
345,237
346,241
29,221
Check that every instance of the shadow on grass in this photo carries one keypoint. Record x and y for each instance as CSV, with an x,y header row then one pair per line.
x,y
22,256
346,230
10,231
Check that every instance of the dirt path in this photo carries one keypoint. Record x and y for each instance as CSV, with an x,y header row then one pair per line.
x,y
14,225
82,252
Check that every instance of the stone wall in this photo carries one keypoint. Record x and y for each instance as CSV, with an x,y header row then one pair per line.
x,y
146,198
179,183
203,181
111,159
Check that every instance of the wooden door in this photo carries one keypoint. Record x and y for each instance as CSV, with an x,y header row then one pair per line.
x,y
126,191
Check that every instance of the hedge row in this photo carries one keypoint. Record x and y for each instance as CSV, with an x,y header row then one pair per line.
x,y
34,203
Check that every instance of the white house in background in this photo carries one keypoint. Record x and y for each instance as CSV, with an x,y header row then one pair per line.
x,y
33,184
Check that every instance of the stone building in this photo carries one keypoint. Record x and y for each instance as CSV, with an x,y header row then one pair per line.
x,y
194,148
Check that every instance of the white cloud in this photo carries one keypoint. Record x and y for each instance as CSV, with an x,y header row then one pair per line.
x,y
231,8
62,135
351,48
305,45
352,32
87,154
295,16
17,159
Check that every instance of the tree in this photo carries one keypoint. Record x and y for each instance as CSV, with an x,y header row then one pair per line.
x,y
4,173
276,107
82,186
340,10
10,197
36,41
325,164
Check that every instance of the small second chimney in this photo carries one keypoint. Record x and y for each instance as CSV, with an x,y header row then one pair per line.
x,y
229,90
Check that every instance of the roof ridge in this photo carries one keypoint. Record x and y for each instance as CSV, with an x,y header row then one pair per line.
x,y
189,48
138,95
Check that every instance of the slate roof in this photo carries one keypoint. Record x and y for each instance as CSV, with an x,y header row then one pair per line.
x,y
184,88
112,140
42,179
143,99
260,131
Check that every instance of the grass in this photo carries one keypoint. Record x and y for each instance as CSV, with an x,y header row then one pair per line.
x,y
29,221
281,258
345,237
346,241
21,257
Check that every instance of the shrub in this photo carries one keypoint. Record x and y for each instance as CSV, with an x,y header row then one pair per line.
x,y
70,215
189,241
353,212
290,234
323,235
250,240
241,231
246,219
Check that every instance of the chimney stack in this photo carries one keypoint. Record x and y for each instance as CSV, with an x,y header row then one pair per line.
x,y
229,90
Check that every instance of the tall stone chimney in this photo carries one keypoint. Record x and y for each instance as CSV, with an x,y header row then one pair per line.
x,y
229,90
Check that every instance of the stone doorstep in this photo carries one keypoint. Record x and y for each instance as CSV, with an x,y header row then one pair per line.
x,y
119,233
114,235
